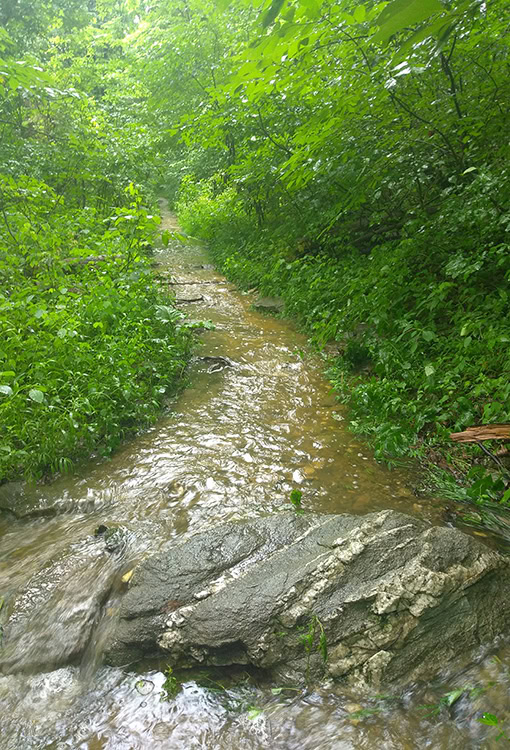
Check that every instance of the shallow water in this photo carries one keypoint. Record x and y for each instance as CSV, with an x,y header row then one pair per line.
x,y
232,446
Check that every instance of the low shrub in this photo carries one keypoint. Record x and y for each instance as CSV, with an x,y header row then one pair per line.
x,y
88,347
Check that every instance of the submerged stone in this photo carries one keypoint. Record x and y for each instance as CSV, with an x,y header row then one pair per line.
x,y
269,304
379,599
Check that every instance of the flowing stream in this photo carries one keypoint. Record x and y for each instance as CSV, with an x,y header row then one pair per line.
x,y
256,421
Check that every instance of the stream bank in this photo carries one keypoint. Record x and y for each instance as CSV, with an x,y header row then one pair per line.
x,y
416,349
233,446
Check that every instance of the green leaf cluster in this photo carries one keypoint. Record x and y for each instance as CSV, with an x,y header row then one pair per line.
x,y
87,356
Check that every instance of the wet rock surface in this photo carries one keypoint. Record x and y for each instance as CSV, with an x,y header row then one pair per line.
x,y
269,304
395,597
50,622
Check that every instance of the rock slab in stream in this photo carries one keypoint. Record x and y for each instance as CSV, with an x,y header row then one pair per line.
x,y
269,304
397,598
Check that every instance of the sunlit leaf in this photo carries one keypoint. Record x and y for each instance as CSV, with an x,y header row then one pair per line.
x,y
36,395
400,14
312,8
359,13
127,576
489,719
452,697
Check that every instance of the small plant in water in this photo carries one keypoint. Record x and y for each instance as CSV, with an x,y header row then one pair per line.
x,y
170,686
493,721
311,644
380,703
254,711
295,498
447,701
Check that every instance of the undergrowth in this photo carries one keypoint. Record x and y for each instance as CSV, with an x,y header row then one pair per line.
x,y
417,331
90,344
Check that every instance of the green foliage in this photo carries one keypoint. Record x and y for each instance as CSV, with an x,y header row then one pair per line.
x,y
493,721
449,699
314,640
86,355
421,332
347,164
171,686
346,156
295,498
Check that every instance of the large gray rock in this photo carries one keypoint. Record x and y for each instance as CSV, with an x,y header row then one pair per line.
x,y
396,598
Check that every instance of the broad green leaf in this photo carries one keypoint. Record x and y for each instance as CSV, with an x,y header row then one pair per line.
x,y
506,497
489,719
360,13
400,14
312,8
452,697
6,389
272,12
296,496
429,370
428,29
36,395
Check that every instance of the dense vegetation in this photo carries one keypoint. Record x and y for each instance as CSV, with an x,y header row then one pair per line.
x,y
88,345
349,156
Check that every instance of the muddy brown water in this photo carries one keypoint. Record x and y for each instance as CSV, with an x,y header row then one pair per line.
x,y
233,445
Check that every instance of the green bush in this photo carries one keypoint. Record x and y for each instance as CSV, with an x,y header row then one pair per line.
x,y
89,348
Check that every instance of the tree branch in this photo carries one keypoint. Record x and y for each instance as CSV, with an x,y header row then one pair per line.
x,y
426,122
268,135
445,62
